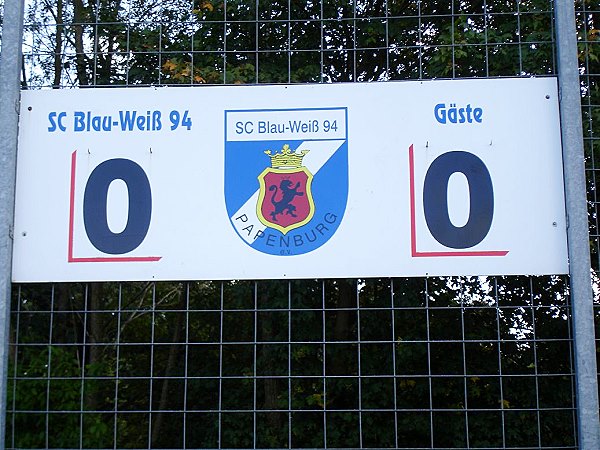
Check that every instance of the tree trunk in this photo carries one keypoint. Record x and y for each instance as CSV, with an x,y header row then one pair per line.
x,y
81,62
342,330
269,329
94,335
58,44
23,74
171,362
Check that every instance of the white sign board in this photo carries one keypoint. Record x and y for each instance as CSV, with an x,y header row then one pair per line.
x,y
304,181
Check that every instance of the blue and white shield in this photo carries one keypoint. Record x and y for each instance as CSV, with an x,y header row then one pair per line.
x,y
262,162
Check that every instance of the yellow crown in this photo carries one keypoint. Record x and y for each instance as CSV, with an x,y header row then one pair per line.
x,y
287,158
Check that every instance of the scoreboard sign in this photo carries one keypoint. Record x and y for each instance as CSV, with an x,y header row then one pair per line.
x,y
456,177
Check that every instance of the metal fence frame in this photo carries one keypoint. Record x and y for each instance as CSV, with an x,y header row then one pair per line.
x,y
12,35
577,231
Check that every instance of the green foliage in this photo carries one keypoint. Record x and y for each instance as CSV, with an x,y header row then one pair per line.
x,y
169,43
445,358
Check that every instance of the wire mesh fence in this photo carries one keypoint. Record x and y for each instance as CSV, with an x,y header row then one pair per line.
x,y
107,43
468,362
402,363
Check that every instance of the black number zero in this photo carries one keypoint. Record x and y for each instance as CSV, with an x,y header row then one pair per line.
x,y
481,200
95,202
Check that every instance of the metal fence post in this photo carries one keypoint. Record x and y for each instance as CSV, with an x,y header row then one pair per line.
x,y
10,69
578,235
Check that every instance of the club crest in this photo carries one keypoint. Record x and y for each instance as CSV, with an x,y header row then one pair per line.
x,y
285,199
286,195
